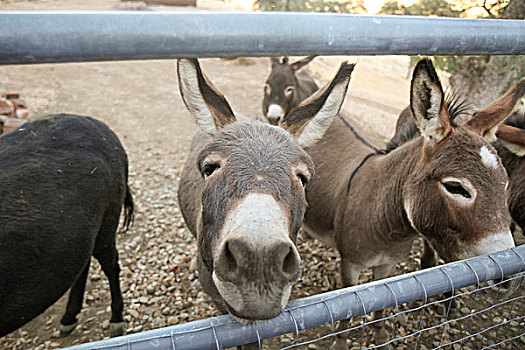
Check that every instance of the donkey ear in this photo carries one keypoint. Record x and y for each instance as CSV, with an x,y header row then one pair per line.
x,y
512,138
427,103
302,62
208,106
486,121
275,60
310,120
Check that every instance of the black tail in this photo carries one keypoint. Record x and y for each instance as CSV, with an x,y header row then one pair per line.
x,y
129,210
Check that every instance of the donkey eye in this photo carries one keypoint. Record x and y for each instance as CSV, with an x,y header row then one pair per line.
x,y
267,89
456,188
289,90
303,178
209,168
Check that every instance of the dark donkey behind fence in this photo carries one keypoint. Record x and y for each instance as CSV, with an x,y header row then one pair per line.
x,y
510,145
285,88
242,194
448,185
64,184
511,149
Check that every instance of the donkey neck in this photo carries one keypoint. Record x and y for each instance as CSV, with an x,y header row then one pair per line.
x,y
336,156
380,182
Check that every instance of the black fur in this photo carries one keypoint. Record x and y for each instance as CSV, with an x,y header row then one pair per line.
x,y
516,120
63,184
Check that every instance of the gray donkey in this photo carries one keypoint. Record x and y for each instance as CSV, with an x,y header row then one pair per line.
x,y
509,143
285,88
447,185
242,193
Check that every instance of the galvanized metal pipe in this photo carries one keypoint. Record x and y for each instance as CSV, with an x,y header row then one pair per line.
x,y
40,37
320,309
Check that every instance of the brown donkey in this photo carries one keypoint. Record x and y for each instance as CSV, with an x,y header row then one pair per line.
x,y
510,145
286,88
448,186
511,149
242,194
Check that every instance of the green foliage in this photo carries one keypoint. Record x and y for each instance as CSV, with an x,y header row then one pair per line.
x,y
351,6
421,8
514,65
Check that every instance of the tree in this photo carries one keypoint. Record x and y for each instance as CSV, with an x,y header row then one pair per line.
x,y
481,79
350,6
421,8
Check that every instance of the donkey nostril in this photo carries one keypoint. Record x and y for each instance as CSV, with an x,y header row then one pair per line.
x,y
290,263
227,260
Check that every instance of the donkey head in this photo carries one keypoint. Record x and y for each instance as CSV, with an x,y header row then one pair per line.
x,y
455,195
280,88
253,198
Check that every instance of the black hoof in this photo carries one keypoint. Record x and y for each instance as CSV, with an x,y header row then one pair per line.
x,y
66,330
117,329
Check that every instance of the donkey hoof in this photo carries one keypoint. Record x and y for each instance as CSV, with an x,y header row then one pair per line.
x,y
66,330
117,329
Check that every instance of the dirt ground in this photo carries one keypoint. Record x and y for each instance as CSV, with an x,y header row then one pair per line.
x,y
140,101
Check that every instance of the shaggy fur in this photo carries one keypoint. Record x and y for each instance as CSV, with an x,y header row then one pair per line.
x,y
461,110
64,184
251,158
394,197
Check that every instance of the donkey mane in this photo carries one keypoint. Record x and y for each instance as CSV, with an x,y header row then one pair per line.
x,y
457,105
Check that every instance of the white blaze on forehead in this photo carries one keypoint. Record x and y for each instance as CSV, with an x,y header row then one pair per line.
x,y
490,244
488,158
275,111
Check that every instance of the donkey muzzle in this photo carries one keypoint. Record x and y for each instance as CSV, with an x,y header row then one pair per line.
x,y
275,114
256,263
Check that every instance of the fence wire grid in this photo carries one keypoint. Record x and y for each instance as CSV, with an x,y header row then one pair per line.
x,y
482,308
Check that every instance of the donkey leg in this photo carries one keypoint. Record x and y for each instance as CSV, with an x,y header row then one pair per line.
x,y
111,268
380,334
107,255
428,256
74,303
350,276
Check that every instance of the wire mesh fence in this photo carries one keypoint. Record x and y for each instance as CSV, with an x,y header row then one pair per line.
x,y
481,317
482,308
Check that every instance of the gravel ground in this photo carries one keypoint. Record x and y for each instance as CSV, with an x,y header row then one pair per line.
x,y
140,102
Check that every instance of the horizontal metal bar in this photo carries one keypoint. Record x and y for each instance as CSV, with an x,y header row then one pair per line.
x,y
313,311
40,37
